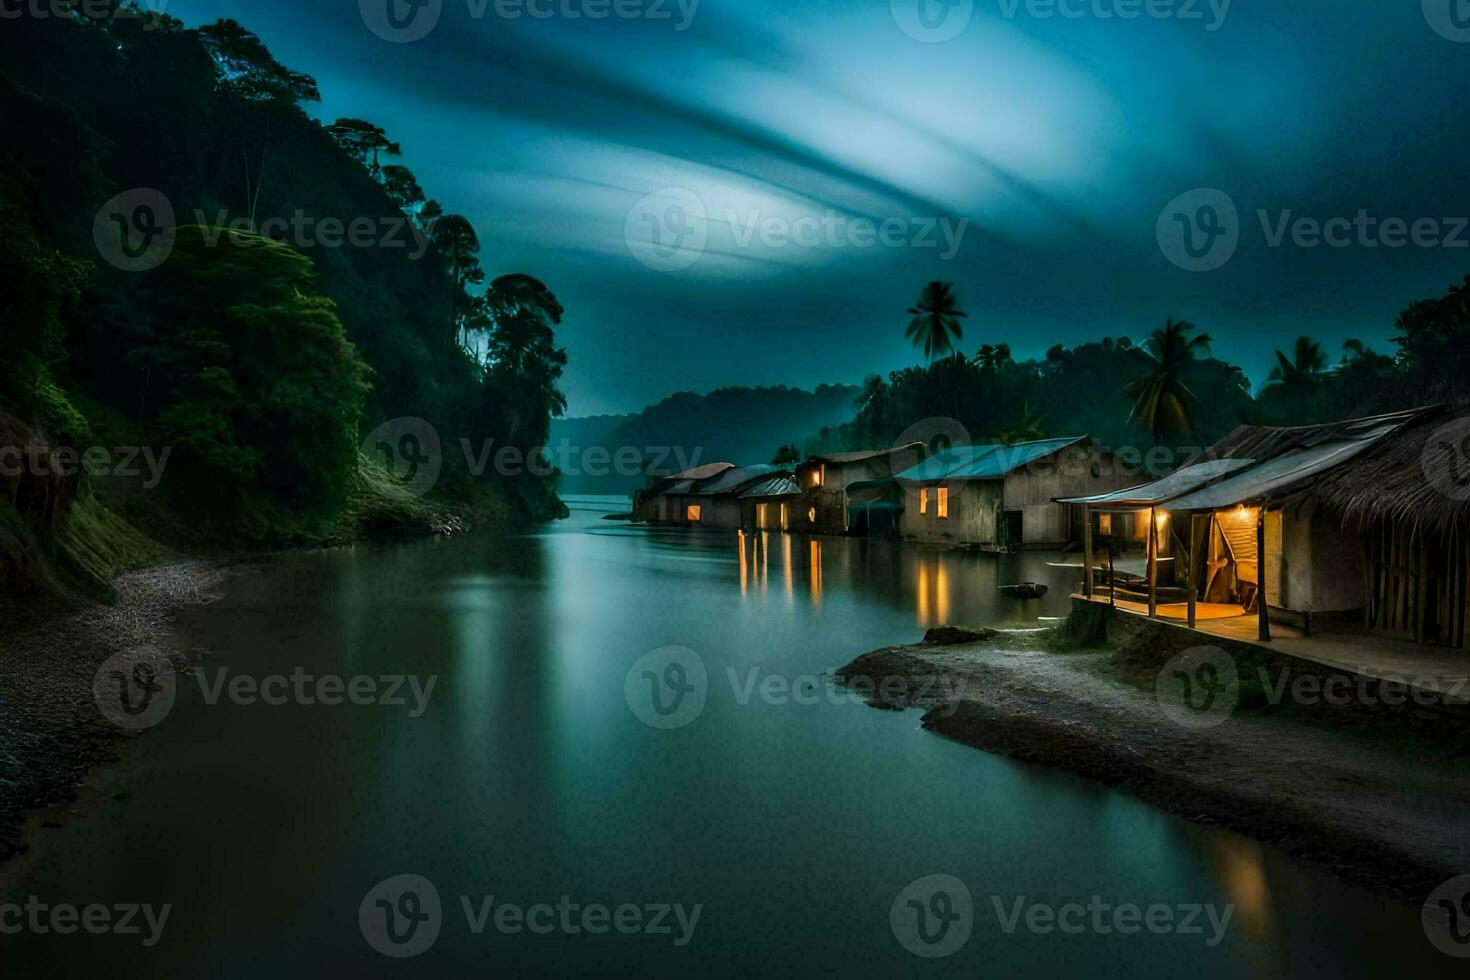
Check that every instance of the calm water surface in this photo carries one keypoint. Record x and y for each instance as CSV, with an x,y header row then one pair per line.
x,y
529,778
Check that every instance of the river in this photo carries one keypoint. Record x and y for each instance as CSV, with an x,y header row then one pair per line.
x,y
790,815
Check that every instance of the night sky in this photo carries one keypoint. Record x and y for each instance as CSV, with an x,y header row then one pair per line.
x,y
1062,140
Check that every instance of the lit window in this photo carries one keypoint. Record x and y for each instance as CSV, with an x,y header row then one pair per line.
x,y
691,513
785,519
923,502
811,515
761,518
941,509
1105,523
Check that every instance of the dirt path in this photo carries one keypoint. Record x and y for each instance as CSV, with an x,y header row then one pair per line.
x,y
1385,801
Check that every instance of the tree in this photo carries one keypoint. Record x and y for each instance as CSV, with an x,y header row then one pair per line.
x,y
1162,403
245,66
936,320
1300,372
786,455
1434,345
456,240
363,141
256,83
872,403
994,358
263,391
1026,428
402,186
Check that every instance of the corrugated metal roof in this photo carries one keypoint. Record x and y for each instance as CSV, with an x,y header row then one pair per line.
x,y
1181,481
990,462
866,454
778,486
1255,462
735,479
1277,474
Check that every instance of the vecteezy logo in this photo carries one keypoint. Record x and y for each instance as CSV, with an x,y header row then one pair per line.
x,y
1446,917
1446,459
409,449
401,916
667,687
1450,19
400,21
932,21
932,916
1199,230
134,231
1199,688
667,230
135,688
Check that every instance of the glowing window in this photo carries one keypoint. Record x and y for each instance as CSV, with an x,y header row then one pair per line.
x,y
761,517
811,515
785,518
923,502
1105,523
691,513
941,508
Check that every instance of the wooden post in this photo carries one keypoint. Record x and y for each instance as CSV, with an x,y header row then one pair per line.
x,y
1112,580
1263,606
1191,578
1153,563
1087,551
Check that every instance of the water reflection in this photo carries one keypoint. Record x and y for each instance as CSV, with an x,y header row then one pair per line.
x,y
1240,867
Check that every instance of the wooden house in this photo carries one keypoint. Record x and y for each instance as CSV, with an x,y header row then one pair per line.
x,y
1005,496
825,481
1355,524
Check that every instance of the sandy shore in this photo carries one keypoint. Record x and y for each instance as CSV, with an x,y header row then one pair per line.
x,y
51,730
1382,800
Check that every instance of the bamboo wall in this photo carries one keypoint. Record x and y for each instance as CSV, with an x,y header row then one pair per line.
x,y
1417,584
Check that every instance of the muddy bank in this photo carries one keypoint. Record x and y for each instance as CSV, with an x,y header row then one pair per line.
x,y
51,729
1379,799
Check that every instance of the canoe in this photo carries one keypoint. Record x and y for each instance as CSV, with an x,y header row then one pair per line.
x,y
1025,590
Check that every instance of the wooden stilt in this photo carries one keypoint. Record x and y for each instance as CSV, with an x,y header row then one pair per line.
x,y
1191,577
1263,606
1112,582
1087,551
1153,563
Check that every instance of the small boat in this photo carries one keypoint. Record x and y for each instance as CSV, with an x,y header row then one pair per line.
x,y
1026,590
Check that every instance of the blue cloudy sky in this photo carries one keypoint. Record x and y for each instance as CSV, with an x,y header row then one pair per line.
x,y
703,183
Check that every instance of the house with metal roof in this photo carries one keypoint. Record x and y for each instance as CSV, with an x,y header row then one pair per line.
x,y
1350,525
710,498
826,481
1004,496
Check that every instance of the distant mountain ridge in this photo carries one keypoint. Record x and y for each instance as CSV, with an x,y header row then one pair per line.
x,y
738,424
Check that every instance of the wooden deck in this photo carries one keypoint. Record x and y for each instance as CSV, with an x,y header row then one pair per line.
x,y
1370,654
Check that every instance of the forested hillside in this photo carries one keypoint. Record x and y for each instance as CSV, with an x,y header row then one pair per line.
x,y
199,273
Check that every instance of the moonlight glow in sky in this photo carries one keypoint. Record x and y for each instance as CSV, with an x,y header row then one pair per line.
x,y
753,191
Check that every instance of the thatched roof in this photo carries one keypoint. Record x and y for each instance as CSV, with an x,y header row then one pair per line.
x,y
1411,467
1420,476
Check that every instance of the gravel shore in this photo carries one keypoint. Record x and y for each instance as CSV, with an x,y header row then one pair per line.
x,y
51,730
1378,800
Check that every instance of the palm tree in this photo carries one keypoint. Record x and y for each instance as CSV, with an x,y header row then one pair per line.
x,y
1027,428
993,358
1162,402
936,320
1300,372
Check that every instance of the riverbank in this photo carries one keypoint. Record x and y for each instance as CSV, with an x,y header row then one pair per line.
x,y
51,730
1382,800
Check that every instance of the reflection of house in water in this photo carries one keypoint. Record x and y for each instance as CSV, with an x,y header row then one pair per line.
x,y
1004,497
1353,525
